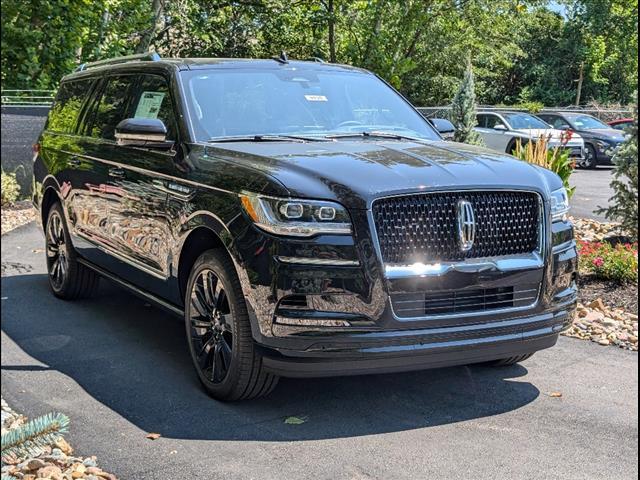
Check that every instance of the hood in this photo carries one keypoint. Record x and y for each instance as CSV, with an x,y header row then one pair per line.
x,y
609,134
356,172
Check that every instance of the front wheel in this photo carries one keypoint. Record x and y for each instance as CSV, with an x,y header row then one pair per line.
x,y
590,159
219,332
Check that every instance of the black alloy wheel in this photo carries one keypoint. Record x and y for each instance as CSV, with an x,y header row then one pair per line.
x,y
57,254
211,326
68,278
590,158
218,330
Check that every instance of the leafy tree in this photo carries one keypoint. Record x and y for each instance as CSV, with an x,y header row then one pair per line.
x,y
463,110
624,203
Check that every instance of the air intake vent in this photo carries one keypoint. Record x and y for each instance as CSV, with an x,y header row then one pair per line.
x,y
294,301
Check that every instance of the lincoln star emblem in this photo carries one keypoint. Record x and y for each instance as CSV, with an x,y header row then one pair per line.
x,y
466,225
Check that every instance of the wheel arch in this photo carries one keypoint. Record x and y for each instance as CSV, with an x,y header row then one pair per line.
x,y
207,232
50,196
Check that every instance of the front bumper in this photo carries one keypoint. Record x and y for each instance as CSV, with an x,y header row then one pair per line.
x,y
348,326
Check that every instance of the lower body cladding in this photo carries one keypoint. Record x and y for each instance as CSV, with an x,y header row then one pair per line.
x,y
322,320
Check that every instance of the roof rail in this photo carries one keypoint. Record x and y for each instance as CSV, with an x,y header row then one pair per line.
x,y
316,59
149,57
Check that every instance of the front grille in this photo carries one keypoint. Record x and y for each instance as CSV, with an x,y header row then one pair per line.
x,y
420,304
424,227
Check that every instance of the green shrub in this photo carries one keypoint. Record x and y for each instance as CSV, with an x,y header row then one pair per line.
x,y
557,159
463,110
10,188
624,203
606,262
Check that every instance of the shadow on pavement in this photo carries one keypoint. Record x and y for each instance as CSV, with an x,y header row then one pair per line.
x,y
133,358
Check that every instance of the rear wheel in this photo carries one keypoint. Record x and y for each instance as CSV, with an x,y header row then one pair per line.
x,y
68,278
219,332
505,362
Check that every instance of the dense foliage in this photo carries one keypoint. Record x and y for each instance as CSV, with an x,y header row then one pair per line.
x,y
607,262
624,203
10,188
522,51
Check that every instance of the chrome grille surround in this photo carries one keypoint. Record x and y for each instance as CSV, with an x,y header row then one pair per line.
x,y
507,263
422,227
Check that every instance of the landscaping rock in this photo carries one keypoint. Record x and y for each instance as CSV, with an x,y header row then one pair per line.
x,y
605,326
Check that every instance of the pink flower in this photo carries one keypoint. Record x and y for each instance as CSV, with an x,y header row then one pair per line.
x,y
598,262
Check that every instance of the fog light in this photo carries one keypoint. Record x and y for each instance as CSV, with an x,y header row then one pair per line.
x,y
292,210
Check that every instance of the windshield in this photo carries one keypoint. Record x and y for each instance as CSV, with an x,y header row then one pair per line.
x,y
586,122
294,101
525,121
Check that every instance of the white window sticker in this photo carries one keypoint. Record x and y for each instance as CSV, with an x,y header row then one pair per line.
x,y
316,98
149,105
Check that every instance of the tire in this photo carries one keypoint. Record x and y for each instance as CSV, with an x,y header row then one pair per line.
x,y
590,161
68,279
505,362
219,332
511,148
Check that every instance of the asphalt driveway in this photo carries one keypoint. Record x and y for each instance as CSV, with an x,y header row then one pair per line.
x,y
592,192
121,369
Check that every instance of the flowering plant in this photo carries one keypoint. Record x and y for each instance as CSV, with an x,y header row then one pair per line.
x,y
602,260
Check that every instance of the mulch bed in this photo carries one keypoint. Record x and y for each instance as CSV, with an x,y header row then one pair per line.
x,y
623,296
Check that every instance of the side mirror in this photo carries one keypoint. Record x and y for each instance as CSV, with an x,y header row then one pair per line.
x,y
500,127
142,132
444,127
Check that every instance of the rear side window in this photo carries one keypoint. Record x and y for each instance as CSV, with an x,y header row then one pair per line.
x,y
63,116
113,106
152,99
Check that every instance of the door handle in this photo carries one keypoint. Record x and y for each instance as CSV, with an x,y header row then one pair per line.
x,y
74,162
116,172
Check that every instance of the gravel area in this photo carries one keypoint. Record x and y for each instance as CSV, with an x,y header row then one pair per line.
x,y
16,215
605,326
55,462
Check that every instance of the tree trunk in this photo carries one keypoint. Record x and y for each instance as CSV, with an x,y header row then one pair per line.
x,y
332,32
580,82
149,34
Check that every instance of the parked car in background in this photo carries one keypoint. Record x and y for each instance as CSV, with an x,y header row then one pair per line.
x,y
600,139
502,130
621,124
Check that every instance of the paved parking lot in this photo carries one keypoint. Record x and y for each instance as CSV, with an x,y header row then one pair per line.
x,y
120,369
593,191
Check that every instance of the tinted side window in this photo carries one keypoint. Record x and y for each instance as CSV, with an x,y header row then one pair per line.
x,y
482,121
493,120
63,116
152,99
112,107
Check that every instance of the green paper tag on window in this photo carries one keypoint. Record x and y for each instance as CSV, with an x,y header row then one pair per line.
x,y
149,105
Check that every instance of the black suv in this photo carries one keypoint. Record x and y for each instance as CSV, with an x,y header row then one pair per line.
x,y
303,218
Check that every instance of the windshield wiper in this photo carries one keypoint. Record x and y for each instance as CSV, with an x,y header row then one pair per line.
x,y
265,138
375,134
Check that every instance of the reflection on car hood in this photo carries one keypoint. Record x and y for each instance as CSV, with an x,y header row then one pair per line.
x,y
355,172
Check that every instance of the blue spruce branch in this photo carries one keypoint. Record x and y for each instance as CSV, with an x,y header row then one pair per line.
x,y
29,439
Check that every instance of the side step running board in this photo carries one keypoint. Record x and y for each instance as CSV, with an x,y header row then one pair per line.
x,y
169,307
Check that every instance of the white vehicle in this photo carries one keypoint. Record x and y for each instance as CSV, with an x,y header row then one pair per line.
x,y
501,130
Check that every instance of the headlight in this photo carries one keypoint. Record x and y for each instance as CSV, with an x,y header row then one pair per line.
x,y
294,217
559,205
